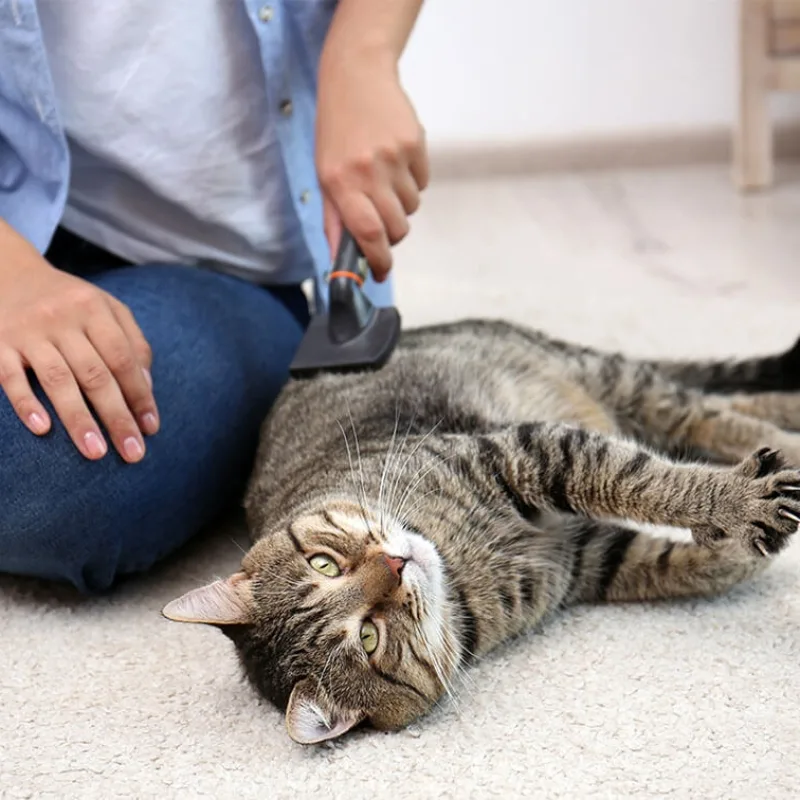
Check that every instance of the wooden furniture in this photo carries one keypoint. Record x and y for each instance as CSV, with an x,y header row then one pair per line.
x,y
769,61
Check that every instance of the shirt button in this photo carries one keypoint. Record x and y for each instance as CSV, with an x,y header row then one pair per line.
x,y
305,196
265,13
286,108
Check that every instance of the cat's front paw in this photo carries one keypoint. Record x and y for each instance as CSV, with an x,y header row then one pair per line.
x,y
759,505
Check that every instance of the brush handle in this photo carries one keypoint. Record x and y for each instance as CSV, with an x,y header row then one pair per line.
x,y
350,310
350,260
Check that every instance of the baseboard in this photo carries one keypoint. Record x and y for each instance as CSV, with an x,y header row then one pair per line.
x,y
624,151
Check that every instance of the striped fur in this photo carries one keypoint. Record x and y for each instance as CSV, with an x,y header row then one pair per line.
x,y
498,462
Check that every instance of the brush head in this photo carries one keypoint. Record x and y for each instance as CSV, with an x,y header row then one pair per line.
x,y
354,335
370,348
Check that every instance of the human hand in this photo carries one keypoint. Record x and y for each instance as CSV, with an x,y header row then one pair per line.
x,y
370,151
78,340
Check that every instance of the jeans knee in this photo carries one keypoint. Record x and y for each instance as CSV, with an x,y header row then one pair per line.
x,y
47,541
224,341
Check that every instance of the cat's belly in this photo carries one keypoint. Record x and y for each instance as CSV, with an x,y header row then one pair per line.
x,y
550,398
577,407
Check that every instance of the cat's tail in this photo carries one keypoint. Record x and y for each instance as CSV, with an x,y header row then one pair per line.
x,y
615,563
776,373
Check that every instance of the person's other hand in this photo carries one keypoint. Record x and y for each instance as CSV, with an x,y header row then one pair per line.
x,y
82,344
371,156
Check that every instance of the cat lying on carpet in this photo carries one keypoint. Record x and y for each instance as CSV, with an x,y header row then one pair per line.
x,y
408,521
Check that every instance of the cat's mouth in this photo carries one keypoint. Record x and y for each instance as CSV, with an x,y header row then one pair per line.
x,y
423,570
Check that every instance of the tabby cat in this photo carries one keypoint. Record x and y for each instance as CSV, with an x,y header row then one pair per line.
x,y
407,521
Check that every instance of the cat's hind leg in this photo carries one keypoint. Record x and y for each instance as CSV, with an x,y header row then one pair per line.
x,y
766,388
781,409
727,431
676,419
616,563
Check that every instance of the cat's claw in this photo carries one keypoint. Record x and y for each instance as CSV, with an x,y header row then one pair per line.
x,y
762,507
789,515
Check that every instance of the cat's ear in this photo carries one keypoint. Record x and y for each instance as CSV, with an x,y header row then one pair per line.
x,y
223,602
311,718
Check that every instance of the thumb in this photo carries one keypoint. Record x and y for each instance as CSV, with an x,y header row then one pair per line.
x,y
333,225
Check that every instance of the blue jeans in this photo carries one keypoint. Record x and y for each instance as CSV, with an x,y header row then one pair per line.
x,y
221,351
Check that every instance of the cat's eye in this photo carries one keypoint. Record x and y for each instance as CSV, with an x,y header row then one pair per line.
x,y
369,637
325,565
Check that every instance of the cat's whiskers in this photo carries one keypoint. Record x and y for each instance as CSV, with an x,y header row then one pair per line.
x,y
389,454
349,455
400,452
401,471
431,623
353,475
446,684
419,476
363,500
238,546
460,656
454,661
460,673
419,501
456,653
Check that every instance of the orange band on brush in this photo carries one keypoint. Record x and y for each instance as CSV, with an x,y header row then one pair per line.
x,y
346,274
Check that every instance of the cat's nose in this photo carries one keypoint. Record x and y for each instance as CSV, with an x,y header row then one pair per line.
x,y
395,565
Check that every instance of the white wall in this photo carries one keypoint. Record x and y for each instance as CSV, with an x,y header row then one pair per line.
x,y
506,70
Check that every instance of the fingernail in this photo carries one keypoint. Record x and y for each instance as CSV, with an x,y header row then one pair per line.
x,y
149,423
132,448
37,423
95,446
148,377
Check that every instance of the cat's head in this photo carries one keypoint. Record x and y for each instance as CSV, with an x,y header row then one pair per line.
x,y
340,617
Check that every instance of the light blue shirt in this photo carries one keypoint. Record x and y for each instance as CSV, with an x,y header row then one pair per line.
x,y
34,153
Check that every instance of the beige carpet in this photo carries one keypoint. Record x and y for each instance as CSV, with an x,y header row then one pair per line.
x,y
104,698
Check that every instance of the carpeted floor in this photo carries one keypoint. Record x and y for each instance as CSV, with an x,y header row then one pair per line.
x,y
104,698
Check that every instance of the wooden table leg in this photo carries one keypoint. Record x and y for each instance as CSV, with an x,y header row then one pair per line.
x,y
752,146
